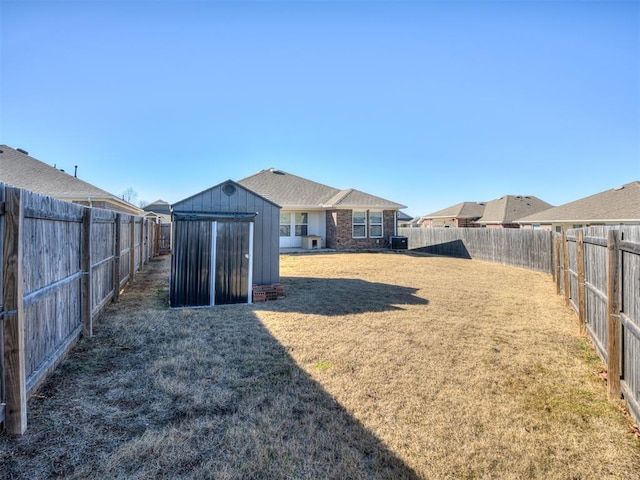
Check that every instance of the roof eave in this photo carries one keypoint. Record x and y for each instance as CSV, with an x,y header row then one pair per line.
x,y
355,207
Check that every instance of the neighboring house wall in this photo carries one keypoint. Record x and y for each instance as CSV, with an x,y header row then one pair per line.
x,y
559,227
502,225
466,222
448,223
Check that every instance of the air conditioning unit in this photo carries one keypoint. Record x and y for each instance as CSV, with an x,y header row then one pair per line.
x,y
399,243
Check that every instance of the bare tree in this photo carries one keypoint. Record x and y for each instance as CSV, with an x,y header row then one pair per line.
x,y
129,195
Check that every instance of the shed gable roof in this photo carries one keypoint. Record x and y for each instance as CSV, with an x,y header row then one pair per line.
x,y
197,201
293,191
613,205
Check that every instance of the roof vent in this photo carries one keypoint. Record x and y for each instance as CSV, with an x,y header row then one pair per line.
x,y
276,171
619,188
229,189
22,151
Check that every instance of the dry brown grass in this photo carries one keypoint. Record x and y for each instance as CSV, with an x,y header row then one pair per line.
x,y
374,366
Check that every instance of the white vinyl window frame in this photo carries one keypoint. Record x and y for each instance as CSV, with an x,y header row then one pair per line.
x,y
376,229
359,223
285,224
301,220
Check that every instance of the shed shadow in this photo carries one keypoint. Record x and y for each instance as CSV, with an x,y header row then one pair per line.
x,y
344,296
454,248
191,393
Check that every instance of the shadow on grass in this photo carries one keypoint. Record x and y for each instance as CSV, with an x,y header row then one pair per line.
x,y
343,296
193,393
454,248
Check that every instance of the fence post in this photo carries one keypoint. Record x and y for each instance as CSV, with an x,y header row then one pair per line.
x,y
132,247
613,307
565,256
14,348
116,258
581,290
86,294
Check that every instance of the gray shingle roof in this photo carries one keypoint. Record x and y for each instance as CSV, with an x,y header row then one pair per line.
x,y
291,191
159,206
23,171
459,210
614,205
509,208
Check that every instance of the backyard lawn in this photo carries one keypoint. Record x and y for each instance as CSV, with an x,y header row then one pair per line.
x,y
375,365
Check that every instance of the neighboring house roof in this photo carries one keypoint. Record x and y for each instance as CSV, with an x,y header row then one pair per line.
x,y
159,206
620,204
509,208
291,191
403,217
459,210
17,168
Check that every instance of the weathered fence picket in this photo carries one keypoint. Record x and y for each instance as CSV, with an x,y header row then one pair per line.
x,y
606,297
60,267
519,248
2,308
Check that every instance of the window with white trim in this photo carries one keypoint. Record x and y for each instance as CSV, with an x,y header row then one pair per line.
x,y
375,224
285,224
359,223
302,222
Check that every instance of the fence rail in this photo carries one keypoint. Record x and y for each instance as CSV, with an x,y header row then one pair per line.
x,y
62,263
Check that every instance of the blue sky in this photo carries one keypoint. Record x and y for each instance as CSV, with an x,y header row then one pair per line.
x,y
425,103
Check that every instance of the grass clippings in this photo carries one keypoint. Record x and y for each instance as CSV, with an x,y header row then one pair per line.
x,y
373,366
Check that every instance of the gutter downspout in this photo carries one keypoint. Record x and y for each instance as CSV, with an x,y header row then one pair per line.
x,y
395,223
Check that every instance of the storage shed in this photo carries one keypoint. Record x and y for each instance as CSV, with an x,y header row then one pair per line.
x,y
225,239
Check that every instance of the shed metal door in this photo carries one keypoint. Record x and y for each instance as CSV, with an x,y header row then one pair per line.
x,y
212,263
191,264
232,256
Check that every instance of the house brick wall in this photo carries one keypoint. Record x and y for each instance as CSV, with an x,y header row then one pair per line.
x,y
331,229
340,231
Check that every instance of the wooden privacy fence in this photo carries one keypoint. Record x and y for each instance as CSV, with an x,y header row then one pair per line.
x,y
597,269
509,246
61,264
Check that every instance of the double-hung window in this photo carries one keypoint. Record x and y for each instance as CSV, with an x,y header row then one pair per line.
x,y
359,223
285,224
301,224
375,224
